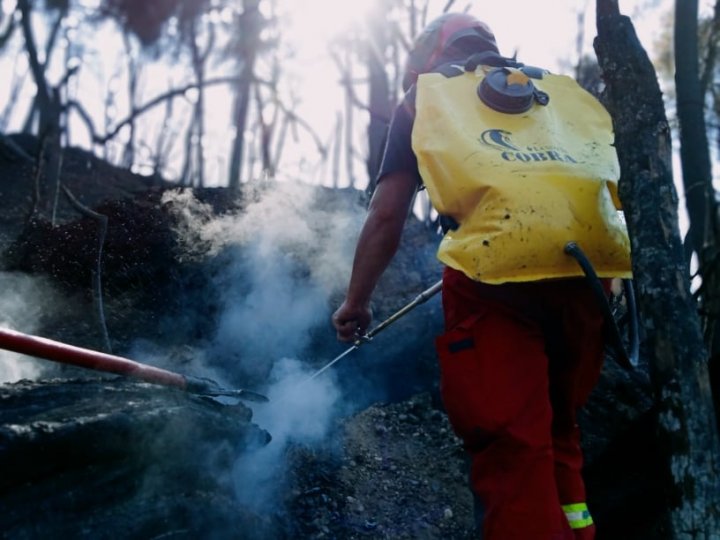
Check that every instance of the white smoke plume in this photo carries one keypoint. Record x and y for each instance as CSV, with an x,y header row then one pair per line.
x,y
300,411
23,301
289,257
282,219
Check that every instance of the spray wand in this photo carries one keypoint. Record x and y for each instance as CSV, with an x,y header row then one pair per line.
x,y
419,299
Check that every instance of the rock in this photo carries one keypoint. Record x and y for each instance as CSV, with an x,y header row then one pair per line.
x,y
390,481
83,458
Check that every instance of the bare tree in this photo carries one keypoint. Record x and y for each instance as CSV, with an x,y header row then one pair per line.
x,y
381,103
673,342
7,27
344,64
250,26
18,83
697,171
48,106
199,37
133,77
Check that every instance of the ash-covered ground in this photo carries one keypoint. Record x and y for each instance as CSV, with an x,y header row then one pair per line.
x,y
397,471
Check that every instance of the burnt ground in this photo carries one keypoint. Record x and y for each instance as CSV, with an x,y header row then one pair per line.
x,y
390,467
400,473
115,459
110,458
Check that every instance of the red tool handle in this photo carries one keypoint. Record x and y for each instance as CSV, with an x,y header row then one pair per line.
x,y
86,358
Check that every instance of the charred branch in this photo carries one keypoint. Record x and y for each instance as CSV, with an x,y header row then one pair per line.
x,y
15,92
170,94
54,32
7,33
11,151
251,23
133,69
711,50
266,132
695,158
298,121
97,273
697,172
73,105
36,67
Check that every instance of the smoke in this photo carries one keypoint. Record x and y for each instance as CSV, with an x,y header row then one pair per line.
x,y
185,359
301,410
286,255
23,302
269,312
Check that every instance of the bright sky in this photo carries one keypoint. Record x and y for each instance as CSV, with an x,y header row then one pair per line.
x,y
540,33
541,36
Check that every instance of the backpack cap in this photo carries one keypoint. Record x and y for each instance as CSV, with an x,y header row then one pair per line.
x,y
509,90
451,36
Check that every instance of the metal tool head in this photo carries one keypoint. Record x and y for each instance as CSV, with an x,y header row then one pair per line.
x,y
207,387
245,395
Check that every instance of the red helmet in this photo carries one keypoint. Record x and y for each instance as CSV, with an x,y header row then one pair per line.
x,y
434,44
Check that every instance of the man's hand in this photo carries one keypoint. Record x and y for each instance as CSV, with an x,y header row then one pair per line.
x,y
351,322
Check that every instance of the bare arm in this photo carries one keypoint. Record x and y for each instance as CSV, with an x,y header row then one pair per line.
x,y
378,242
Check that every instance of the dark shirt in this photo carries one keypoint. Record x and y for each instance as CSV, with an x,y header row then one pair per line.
x,y
398,154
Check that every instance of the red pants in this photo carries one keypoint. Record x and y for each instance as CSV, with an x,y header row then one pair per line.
x,y
517,360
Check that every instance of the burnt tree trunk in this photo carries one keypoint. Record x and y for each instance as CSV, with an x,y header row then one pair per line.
x,y
47,101
695,158
250,27
673,342
381,102
697,177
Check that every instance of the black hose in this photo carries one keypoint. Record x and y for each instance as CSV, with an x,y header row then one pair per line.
x,y
628,361
634,328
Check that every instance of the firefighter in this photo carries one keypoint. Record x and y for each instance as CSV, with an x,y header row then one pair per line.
x,y
508,165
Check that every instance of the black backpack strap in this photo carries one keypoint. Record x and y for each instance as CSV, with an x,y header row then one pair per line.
x,y
488,58
453,68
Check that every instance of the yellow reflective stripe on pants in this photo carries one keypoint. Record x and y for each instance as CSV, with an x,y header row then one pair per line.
x,y
578,515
